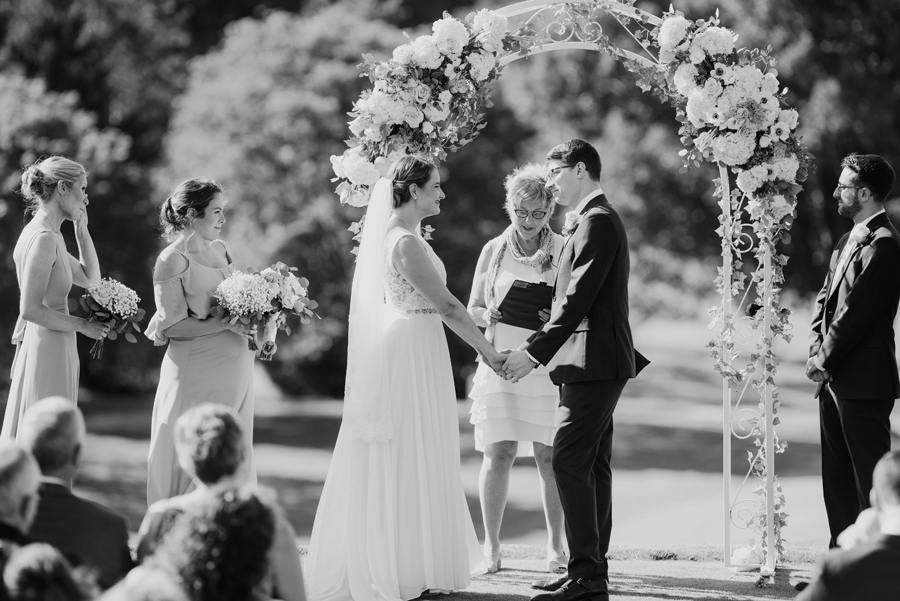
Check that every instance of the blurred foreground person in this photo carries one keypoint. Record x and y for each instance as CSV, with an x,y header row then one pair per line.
x,y
392,520
210,448
207,359
86,532
19,481
516,419
149,582
869,571
851,354
46,361
40,572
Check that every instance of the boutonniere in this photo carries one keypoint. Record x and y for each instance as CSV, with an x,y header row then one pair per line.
x,y
573,218
860,234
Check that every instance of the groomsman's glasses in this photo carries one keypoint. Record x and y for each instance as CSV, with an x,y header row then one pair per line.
x,y
536,215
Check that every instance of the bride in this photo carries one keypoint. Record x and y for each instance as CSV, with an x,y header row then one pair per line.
x,y
392,521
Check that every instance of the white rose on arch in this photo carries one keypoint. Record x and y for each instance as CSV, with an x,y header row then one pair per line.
x,y
685,78
491,23
672,33
426,54
780,207
357,169
450,35
404,54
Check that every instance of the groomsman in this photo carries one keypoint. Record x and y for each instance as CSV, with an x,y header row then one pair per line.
x,y
588,338
851,355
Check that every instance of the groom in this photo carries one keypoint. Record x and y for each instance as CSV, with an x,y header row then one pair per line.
x,y
588,339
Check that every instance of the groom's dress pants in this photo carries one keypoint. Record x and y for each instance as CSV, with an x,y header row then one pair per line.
x,y
855,435
581,455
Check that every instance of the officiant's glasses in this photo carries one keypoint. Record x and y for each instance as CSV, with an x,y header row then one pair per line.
x,y
536,215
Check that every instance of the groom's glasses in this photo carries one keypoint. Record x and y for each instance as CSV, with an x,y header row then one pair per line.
x,y
536,215
552,173
843,187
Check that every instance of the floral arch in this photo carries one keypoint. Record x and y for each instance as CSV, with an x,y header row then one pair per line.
x,y
429,98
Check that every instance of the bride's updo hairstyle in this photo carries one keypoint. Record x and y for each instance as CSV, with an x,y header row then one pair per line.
x,y
42,177
193,194
406,172
528,182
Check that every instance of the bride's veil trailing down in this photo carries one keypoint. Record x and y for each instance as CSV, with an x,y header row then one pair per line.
x,y
367,408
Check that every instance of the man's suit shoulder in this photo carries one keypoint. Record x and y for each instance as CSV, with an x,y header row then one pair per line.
x,y
92,511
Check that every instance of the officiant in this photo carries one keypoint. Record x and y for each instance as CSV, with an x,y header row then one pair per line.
x,y
511,297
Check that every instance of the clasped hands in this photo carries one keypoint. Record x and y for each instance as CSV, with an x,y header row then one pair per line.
x,y
814,373
511,365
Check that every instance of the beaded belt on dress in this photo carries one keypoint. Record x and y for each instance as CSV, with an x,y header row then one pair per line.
x,y
419,311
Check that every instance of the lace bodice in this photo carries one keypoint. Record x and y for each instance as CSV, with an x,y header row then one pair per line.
x,y
398,292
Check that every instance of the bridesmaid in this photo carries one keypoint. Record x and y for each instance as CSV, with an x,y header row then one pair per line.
x,y
207,360
46,361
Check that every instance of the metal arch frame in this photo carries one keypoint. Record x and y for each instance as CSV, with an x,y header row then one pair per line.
x,y
731,243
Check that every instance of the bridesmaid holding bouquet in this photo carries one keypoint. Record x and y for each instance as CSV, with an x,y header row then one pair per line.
x,y
207,359
46,360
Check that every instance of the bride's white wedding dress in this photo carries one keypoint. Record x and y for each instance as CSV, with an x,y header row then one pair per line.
x,y
392,520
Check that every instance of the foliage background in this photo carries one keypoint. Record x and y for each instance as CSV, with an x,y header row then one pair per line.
x,y
255,94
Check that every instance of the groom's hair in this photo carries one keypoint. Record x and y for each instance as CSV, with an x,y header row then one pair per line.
x,y
886,479
577,151
872,172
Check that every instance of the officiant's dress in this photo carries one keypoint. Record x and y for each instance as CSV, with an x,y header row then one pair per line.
x,y
392,520
524,411
216,368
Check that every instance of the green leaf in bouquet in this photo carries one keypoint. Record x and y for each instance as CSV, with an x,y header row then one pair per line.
x,y
244,319
112,335
304,282
304,319
84,305
313,304
121,327
136,327
130,338
287,329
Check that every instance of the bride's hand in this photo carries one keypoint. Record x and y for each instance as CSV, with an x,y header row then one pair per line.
x,y
496,360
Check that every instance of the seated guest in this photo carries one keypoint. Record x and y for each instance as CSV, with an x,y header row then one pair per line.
x,y
210,447
86,532
40,572
19,482
869,571
220,551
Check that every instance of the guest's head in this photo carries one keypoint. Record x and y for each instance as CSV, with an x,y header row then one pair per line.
x,y
886,483
209,442
192,204
54,179
529,202
20,479
53,431
219,550
39,572
867,174
573,170
418,182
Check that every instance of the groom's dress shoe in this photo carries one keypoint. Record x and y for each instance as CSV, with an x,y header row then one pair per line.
x,y
550,584
577,590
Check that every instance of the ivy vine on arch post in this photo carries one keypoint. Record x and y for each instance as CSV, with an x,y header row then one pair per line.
x,y
430,97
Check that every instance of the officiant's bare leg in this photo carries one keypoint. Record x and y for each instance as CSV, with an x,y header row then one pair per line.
x,y
493,487
553,513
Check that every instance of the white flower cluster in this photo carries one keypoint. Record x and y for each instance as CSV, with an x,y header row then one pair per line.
x,y
244,294
285,289
115,297
415,93
732,107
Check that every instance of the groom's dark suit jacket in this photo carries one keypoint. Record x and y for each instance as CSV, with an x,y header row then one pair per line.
x,y
869,572
852,331
588,336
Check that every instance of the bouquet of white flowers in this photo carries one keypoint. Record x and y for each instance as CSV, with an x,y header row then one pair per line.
x,y
264,299
109,301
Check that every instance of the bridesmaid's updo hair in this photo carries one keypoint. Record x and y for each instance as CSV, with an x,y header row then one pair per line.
x,y
408,171
41,178
190,194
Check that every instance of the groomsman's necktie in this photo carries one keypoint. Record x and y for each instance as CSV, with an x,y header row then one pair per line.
x,y
857,235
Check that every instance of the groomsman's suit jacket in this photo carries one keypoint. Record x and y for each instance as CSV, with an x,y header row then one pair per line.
x,y
852,331
868,572
87,533
588,336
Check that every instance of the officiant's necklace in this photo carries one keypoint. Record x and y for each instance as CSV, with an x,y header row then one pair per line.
x,y
539,256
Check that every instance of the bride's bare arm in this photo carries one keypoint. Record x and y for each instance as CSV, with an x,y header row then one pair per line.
x,y
411,260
